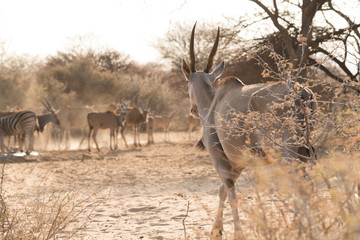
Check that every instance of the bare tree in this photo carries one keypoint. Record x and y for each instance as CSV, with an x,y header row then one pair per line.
x,y
322,34
316,33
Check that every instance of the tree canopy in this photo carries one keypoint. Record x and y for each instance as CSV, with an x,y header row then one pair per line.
x,y
318,33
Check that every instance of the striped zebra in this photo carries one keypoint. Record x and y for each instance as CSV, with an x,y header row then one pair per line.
x,y
20,123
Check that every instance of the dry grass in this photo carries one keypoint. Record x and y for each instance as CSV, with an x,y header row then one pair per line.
x,y
284,207
278,203
50,214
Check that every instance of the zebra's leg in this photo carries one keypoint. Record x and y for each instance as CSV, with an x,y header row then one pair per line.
x,y
9,144
30,143
6,147
2,143
21,139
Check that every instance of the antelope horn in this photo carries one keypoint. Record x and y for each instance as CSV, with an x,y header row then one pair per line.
x,y
147,105
213,52
192,54
45,105
50,108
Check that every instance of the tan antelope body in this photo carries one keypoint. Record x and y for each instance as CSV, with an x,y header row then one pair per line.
x,y
104,120
164,123
134,118
212,101
192,122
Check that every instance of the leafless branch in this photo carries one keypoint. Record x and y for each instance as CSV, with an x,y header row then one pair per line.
x,y
183,221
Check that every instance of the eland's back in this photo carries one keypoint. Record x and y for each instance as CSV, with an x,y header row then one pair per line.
x,y
246,115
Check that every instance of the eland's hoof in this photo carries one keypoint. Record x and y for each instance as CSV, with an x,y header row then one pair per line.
x,y
216,233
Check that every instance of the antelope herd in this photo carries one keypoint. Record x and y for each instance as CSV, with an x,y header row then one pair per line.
x,y
86,121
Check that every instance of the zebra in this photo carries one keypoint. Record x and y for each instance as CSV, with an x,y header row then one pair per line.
x,y
20,123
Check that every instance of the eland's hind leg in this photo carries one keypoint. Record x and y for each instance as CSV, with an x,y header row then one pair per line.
x,y
218,227
233,201
227,189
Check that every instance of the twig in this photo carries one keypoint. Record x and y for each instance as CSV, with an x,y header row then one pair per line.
x,y
183,221
3,209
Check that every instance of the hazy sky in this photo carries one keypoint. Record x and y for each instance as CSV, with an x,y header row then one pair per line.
x,y
42,27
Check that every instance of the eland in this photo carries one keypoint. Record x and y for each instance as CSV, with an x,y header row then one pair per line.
x,y
134,118
231,141
105,120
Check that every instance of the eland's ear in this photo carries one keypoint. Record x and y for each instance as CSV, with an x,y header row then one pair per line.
x,y
185,69
219,69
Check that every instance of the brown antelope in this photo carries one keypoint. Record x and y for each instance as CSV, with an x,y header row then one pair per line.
x,y
163,122
104,120
192,122
134,118
213,101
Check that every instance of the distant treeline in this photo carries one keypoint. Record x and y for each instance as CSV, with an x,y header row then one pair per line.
x,y
69,79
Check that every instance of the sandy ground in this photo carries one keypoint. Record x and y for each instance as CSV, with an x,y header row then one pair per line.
x,y
144,192
159,191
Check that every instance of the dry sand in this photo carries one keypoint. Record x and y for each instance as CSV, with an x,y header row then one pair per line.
x,y
145,192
